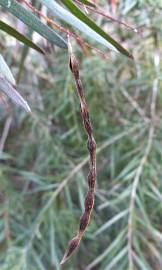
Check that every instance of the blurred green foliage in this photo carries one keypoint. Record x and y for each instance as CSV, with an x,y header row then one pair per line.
x,y
44,159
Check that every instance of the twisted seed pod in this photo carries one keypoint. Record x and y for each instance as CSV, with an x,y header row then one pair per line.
x,y
91,145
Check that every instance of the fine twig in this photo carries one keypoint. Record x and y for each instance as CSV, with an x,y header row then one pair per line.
x,y
135,105
5,133
102,12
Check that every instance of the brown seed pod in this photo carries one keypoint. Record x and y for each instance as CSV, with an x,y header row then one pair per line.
x,y
73,244
91,179
89,201
73,64
84,220
91,145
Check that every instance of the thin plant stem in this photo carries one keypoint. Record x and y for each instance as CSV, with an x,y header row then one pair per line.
x,y
143,161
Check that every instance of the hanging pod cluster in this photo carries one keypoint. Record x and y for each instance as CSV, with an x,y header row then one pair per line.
x,y
91,145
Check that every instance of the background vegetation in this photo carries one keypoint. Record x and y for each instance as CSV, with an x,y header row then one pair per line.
x,y
44,160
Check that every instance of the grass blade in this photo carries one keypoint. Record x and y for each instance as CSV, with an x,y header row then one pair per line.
x,y
5,71
32,21
69,18
11,92
81,16
14,33
87,3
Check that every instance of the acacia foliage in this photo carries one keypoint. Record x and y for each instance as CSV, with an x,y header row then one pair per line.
x,y
44,164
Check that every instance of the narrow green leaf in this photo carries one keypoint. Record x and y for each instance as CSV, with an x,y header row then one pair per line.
x,y
14,33
12,93
32,21
112,221
69,18
115,244
80,15
5,71
116,259
87,3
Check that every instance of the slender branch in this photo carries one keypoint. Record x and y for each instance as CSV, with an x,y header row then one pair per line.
x,y
135,105
143,161
5,133
102,12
